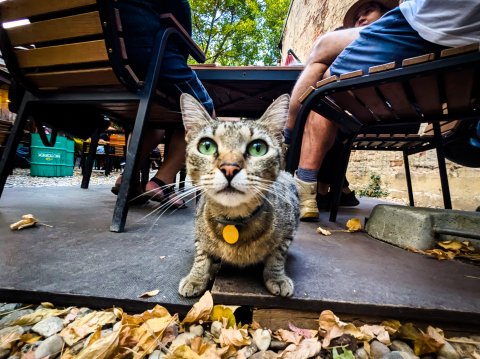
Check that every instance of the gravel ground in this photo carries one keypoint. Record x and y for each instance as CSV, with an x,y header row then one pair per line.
x,y
21,178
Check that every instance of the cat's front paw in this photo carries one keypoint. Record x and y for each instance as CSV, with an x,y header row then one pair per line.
x,y
192,287
282,286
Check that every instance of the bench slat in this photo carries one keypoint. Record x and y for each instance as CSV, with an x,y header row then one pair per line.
x,y
58,29
373,102
348,102
20,9
91,77
458,89
397,98
79,53
425,90
454,51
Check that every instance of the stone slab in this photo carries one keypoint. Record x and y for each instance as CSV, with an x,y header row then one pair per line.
x,y
417,227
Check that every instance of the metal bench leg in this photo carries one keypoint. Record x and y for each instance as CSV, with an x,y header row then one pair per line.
x,y
409,178
6,163
442,168
337,185
87,171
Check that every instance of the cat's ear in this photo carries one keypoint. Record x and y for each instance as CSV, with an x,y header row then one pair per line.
x,y
194,114
276,115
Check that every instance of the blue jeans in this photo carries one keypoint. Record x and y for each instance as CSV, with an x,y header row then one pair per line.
x,y
391,38
140,27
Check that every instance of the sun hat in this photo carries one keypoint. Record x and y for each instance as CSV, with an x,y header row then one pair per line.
x,y
349,21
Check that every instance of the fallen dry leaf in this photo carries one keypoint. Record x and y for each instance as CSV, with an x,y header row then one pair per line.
x,y
222,311
149,294
429,342
234,337
30,338
354,225
28,220
391,326
408,331
288,336
308,348
376,331
83,326
103,348
476,355
323,231
38,315
183,352
200,310
306,333
47,305
10,335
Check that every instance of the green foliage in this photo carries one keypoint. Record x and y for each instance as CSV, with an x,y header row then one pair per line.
x,y
373,189
239,32
347,354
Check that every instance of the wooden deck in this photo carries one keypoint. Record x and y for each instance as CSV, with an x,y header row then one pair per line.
x,y
78,261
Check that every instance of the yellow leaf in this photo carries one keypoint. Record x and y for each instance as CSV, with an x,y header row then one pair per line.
x,y
200,310
28,220
30,338
67,354
221,311
85,325
183,352
324,231
157,325
38,315
441,255
103,348
47,305
354,225
453,245
429,342
95,336
149,294
235,337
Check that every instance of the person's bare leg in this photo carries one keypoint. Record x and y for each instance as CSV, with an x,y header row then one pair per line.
x,y
173,163
324,52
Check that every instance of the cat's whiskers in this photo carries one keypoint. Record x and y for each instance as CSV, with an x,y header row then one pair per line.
x,y
275,193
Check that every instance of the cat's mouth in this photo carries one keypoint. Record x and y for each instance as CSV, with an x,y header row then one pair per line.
x,y
229,190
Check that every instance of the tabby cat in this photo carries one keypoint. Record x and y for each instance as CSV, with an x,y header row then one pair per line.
x,y
248,208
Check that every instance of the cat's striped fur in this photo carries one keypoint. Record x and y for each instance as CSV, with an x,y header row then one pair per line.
x,y
237,186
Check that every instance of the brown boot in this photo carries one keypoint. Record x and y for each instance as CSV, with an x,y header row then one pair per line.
x,y
307,192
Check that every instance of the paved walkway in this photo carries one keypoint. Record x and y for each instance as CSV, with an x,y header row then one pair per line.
x,y
78,261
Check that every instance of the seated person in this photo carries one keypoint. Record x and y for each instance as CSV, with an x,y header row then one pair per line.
x,y
414,28
140,21
361,13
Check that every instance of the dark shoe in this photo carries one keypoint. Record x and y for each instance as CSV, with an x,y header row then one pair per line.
x,y
324,200
349,200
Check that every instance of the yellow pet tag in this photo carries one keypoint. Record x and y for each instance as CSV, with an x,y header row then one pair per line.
x,y
230,234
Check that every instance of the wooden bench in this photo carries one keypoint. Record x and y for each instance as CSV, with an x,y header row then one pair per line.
x,y
373,110
70,56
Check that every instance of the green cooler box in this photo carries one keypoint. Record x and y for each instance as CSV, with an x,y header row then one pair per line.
x,y
56,161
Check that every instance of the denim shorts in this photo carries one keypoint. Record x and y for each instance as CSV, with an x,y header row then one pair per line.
x,y
140,21
391,38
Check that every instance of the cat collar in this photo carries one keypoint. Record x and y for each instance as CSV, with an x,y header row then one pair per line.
x,y
230,232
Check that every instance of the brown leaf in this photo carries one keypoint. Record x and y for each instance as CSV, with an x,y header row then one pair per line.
x,y
149,294
308,348
200,310
288,336
476,355
376,331
391,326
255,325
440,255
408,331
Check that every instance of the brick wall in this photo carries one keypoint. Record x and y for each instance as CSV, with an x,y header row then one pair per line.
x,y
307,20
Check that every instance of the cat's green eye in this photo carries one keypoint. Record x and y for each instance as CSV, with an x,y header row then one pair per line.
x,y
257,148
207,146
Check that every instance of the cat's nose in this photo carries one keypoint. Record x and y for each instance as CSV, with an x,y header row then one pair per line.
x,y
229,169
